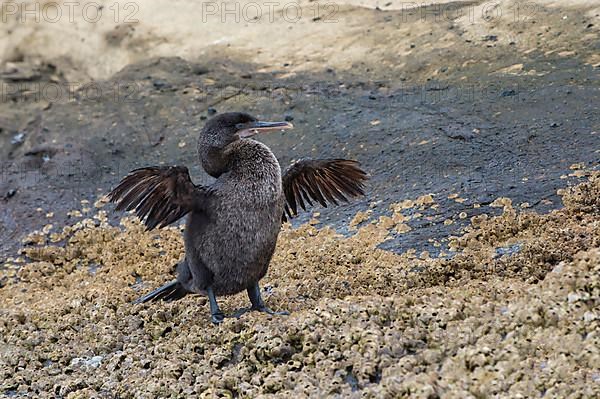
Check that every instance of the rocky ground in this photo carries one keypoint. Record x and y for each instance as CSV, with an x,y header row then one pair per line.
x,y
475,103
514,313
448,107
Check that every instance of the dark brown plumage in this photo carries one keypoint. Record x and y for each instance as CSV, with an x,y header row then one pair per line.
x,y
321,180
232,224
160,195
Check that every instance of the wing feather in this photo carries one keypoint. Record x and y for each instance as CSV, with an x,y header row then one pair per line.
x,y
322,181
158,195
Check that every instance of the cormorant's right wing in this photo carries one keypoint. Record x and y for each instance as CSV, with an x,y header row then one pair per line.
x,y
322,181
160,195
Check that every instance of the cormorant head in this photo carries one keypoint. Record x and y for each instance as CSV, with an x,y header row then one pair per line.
x,y
224,129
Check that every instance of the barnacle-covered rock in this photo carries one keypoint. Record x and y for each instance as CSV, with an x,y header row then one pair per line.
x,y
513,313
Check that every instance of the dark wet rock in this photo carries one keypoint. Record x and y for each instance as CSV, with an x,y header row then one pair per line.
x,y
93,268
160,84
211,111
509,250
199,70
436,87
11,193
458,132
352,380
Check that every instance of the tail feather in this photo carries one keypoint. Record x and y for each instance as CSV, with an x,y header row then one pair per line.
x,y
169,292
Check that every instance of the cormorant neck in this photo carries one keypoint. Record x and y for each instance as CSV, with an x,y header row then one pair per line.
x,y
214,161
251,159
245,156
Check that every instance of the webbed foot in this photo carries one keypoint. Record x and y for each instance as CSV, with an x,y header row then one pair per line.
x,y
273,312
257,304
263,309
217,318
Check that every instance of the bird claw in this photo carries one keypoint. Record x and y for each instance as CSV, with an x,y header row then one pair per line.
x,y
240,312
217,318
263,309
273,312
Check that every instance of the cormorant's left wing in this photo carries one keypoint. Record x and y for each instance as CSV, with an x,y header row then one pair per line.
x,y
322,181
160,195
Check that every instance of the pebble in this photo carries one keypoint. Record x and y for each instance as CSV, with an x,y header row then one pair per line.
x,y
160,84
199,70
18,138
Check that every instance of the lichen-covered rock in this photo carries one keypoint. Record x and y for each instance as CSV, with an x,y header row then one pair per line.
x,y
514,313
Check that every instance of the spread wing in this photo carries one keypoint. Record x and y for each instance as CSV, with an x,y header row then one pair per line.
x,y
322,181
159,195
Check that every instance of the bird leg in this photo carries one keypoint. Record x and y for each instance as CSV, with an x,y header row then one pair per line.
x,y
215,313
257,303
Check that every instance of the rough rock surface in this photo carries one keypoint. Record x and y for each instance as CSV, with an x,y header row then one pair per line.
x,y
479,99
514,313
449,105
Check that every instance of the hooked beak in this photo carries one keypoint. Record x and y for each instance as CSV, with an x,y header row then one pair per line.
x,y
251,128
